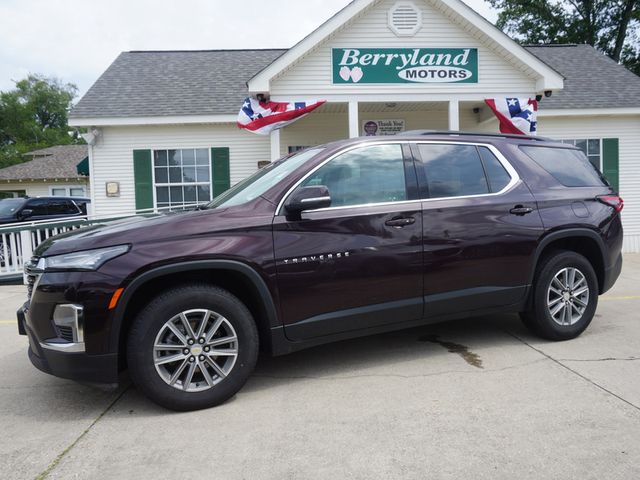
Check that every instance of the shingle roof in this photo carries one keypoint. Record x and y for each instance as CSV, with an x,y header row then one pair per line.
x,y
592,80
139,84
173,83
48,163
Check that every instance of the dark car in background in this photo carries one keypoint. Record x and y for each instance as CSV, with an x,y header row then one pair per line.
x,y
351,238
14,210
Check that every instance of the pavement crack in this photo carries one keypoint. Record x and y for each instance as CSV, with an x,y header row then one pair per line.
x,y
45,473
559,362
606,359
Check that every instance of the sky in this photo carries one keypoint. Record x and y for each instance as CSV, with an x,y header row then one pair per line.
x,y
76,41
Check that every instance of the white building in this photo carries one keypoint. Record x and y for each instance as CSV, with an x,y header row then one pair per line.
x,y
164,122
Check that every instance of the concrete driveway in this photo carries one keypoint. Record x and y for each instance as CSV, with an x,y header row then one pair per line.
x,y
479,398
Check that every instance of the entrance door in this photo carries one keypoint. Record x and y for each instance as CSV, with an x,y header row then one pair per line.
x,y
481,228
358,263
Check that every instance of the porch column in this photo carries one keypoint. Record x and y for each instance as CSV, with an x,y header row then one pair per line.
x,y
275,144
454,115
354,128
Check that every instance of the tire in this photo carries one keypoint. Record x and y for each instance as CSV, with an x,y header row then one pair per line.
x,y
562,313
160,332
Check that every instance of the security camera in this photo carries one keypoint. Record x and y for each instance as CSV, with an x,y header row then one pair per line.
x,y
548,93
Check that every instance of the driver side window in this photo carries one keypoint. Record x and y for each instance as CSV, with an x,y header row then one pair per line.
x,y
370,174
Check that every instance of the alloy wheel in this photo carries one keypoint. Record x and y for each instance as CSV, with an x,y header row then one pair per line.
x,y
567,296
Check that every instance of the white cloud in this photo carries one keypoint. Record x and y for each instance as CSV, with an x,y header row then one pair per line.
x,y
76,41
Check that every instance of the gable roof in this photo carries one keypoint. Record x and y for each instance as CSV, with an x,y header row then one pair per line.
x,y
547,78
616,86
153,83
48,164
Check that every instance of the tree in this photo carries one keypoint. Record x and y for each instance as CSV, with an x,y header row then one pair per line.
x,y
34,115
611,26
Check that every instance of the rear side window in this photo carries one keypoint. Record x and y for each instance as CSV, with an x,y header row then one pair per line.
x,y
62,207
496,174
570,167
453,170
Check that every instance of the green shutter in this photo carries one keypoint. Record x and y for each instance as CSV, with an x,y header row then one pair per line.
x,y
143,178
610,161
220,178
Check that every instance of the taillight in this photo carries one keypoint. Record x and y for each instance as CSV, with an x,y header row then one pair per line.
x,y
612,200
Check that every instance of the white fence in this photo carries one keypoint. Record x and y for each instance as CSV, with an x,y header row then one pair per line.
x,y
18,241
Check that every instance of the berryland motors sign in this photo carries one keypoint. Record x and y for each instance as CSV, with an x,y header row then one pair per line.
x,y
405,65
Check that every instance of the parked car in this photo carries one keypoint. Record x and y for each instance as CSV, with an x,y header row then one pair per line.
x,y
351,238
15,210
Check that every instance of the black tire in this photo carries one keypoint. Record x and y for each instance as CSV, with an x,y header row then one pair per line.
x,y
539,317
153,319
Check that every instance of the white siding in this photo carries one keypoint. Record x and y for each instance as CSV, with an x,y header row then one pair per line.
x,y
625,128
40,189
113,155
312,75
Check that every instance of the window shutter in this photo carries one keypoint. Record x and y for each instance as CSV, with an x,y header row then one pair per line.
x,y
143,179
220,176
610,161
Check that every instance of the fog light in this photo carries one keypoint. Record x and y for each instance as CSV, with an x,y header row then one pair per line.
x,y
69,321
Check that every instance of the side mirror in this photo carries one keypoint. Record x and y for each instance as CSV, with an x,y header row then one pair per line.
x,y
308,198
26,213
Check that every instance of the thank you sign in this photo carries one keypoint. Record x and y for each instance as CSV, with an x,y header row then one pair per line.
x,y
405,65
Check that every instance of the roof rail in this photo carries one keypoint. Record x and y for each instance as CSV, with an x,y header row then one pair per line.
x,y
474,134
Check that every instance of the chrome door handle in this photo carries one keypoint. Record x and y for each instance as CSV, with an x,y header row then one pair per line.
x,y
400,222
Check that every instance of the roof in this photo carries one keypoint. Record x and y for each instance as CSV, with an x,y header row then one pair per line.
x,y
592,80
155,83
213,82
48,163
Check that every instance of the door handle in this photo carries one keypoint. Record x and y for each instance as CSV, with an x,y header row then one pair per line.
x,y
400,222
521,210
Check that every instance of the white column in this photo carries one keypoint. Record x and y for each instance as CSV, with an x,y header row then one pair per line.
x,y
275,144
354,127
454,115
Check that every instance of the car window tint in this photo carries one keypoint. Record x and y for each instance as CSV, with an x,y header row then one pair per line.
x,y
39,207
496,173
62,207
570,167
370,174
453,170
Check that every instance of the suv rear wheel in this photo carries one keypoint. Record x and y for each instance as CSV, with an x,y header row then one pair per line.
x,y
565,296
192,347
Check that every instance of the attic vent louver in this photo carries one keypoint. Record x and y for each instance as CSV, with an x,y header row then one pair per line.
x,y
405,19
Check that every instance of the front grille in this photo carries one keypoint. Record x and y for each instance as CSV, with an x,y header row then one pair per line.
x,y
66,333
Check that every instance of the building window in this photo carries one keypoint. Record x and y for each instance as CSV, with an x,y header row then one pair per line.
x,y
77,191
592,148
182,177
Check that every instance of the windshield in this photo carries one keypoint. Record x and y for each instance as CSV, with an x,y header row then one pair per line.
x,y
9,206
262,180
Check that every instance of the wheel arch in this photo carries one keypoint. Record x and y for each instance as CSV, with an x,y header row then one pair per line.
x,y
238,278
580,240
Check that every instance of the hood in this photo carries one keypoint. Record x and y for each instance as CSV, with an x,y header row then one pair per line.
x,y
139,230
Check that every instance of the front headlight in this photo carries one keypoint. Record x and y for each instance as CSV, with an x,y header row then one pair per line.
x,y
86,260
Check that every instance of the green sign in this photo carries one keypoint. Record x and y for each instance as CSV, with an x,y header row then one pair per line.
x,y
405,65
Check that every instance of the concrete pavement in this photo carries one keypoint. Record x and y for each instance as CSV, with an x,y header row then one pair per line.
x,y
478,398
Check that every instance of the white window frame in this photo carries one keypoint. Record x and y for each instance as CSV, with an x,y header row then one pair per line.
x,y
572,141
67,190
179,184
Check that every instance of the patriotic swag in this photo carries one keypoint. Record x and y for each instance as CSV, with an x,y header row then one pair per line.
x,y
516,115
263,117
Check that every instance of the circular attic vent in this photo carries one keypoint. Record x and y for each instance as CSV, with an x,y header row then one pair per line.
x,y
405,19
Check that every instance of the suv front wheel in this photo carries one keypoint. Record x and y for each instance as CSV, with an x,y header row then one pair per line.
x,y
565,296
192,347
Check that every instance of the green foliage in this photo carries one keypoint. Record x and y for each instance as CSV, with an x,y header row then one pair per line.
x,y
612,26
34,115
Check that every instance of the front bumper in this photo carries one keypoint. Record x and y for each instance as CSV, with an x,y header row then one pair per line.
x,y
63,359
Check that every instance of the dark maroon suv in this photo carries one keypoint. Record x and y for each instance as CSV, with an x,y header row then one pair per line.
x,y
346,239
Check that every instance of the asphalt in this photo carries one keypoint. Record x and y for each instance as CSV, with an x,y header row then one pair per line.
x,y
478,398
